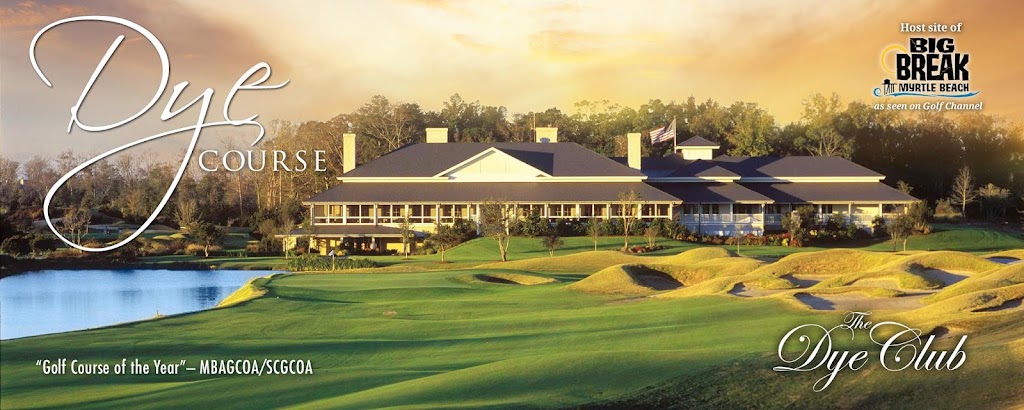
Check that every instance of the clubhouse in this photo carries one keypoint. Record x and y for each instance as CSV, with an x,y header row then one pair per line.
x,y
439,182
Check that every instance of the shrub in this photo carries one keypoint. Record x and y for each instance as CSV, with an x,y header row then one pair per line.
x,y
196,249
878,227
26,243
311,262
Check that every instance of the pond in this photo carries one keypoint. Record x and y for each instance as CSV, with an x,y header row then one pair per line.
x,y
52,301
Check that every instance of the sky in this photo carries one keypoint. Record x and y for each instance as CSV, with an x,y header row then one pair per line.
x,y
524,55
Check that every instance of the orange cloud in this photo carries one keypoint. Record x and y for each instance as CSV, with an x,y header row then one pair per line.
x,y
29,15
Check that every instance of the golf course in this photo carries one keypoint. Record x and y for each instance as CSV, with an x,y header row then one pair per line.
x,y
687,326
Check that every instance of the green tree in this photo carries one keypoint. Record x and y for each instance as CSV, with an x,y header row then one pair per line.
x,y
407,234
595,228
76,223
821,117
993,200
904,187
964,192
444,238
551,241
651,233
495,221
207,235
900,228
629,204
798,223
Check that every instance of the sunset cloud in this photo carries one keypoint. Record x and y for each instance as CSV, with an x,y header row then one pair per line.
x,y
523,55
29,14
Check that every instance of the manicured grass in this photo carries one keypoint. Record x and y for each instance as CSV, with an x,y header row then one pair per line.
x,y
964,238
443,338
434,339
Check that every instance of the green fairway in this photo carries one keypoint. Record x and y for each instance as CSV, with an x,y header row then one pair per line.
x,y
471,333
965,238
440,339
391,339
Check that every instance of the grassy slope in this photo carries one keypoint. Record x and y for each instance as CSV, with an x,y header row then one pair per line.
x,y
483,250
433,338
400,339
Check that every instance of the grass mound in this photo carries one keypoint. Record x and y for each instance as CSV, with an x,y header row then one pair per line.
x,y
592,261
829,262
626,279
947,261
1007,276
507,278
254,288
696,256
1011,254
991,309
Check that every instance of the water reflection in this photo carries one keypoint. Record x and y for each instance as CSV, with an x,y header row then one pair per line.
x,y
53,301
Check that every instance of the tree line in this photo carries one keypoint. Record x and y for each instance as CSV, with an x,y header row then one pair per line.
x,y
927,152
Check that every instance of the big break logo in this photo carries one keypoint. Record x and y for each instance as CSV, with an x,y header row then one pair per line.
x,y
926,67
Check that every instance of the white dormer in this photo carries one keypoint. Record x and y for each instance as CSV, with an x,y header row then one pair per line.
x,y
697,148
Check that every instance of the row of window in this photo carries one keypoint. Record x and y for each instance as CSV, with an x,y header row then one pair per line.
x,y
429,213
715,209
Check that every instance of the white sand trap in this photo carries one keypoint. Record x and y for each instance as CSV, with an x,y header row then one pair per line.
x,y
1004,260
745,292
859,302
805,281
947,277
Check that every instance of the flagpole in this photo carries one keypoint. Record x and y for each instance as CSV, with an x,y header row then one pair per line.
x,y
674,135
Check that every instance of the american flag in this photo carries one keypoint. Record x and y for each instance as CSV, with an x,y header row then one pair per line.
x,y
666,133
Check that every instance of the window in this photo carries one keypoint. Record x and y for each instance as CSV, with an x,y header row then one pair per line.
x,y
691,209
826,208
773,209
554,211
710,209
422,214
746,209
587,210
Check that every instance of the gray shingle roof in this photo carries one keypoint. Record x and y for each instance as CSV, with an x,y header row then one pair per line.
x,y
702,169
690,192
563,159
856,192
752,167
462,192
795,166
698,142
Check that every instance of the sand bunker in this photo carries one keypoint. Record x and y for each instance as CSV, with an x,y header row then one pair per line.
x,y
743,291
947,277
513,279
853,301
805,281
1006,260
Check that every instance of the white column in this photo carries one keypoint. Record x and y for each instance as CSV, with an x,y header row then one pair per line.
x,y
376,211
